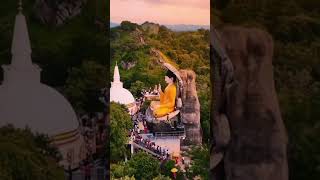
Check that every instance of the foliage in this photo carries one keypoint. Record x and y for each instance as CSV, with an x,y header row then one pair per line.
x,y
24,155
128,26
200,162
120,124
84,84
166,168
144,166
161,177
136,88
121,170
123,178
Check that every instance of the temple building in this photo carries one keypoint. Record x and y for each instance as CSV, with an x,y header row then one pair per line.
x,y
26,102
121,95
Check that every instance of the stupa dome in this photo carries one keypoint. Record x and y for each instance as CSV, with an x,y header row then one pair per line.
x,y
24,100
118,93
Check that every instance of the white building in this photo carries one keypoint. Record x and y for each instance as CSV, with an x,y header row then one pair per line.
x,y
121,95
26,102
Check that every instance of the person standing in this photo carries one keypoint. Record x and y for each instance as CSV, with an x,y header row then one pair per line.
x,y
87,171
69,172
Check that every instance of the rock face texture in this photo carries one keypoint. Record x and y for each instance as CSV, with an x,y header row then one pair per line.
x,y
57,12
256,149
128,65
190,111
150,28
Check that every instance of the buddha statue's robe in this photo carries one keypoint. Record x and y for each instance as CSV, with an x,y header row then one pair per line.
x,y
167,101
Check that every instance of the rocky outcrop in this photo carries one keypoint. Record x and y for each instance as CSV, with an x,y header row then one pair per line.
x,y
256,147
190,111
57,12
128,65
138,35
150,28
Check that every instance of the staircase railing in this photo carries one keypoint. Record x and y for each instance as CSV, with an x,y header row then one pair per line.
x,y
175,134
145,149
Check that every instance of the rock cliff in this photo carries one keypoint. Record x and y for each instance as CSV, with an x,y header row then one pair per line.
x,y
57,12
190,112
150,28
256,149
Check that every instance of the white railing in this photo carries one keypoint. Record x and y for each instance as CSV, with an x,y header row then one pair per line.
x,y
175,134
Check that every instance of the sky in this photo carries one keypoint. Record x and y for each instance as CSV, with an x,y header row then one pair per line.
x,y
196,12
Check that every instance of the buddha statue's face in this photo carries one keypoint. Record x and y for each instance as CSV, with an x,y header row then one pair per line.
x,y
168,80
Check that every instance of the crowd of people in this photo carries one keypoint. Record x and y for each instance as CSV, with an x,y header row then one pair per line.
x,y
162,153
94,135
140,127
151,91
91,131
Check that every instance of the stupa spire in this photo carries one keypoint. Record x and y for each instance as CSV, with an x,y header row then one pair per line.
x,y
20,6
21,48
116,74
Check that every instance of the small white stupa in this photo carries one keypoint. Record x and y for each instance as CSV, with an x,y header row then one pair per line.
x,y
26,102
121,95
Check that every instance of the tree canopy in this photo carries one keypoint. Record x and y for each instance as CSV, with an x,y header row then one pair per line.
x,y
144,166
120,124
24,155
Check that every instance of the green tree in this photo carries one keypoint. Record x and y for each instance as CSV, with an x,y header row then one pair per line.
x,y
84,84
120,124
121,170
167,166
24,155
144,165
123,178
200,158
136,88
161,177
128,26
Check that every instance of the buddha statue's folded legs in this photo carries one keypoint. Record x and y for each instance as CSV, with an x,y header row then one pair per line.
x,y
153,104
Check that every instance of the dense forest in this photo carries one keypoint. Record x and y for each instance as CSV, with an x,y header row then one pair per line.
x,y
24,155
295,27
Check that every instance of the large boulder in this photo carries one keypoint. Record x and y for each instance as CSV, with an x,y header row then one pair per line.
x,y
128,65
190,111
150,28
256,149
57,12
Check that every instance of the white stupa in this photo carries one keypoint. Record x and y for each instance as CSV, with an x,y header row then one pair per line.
x,y
121,95
26,102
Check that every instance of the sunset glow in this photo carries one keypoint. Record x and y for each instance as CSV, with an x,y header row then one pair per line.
x,y
195,12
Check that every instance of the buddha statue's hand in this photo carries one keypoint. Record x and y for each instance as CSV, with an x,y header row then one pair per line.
x,y
153,107
159,88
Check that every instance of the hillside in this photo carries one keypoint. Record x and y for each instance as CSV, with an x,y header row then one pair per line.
x,y
175,27
185,50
